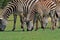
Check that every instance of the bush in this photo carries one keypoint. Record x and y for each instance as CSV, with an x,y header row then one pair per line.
x,y
3,3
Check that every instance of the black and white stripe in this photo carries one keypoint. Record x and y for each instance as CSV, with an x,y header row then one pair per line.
x,y
28,4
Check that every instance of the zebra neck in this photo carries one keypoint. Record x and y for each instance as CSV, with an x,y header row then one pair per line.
x,y
5,14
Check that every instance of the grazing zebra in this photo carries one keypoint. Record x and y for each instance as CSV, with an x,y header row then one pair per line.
x,y
43,7
57,12
15,7
48,6
34,16
27,12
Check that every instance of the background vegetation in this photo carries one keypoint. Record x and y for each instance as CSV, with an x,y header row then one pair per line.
x,y
3,3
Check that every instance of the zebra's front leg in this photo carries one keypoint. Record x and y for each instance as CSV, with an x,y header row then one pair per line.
x,y
53,23
53,20
36,25
15,17
22,22
42,26
22,26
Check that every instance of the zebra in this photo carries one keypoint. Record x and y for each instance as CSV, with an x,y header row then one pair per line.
x,y
43,7
48,6
27,10
15,6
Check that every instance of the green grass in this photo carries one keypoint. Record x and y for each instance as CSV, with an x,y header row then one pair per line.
x,y
18,34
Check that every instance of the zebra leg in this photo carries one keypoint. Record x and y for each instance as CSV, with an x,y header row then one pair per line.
x,y
15,17
53,23
42,24
35,20
53,20
22,23
56,19
36,25
59,22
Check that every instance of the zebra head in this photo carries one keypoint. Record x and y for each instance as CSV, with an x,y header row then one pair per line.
x,y
30,26
2,24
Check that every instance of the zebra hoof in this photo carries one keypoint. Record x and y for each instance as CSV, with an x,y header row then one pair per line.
x,y
59,27
1,30
23,30
36,29
22,27
13,29
43,27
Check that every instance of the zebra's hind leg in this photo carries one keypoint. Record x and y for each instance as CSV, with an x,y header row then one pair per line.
x,y
15,17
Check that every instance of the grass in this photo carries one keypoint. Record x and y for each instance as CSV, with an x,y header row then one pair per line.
x,y
33,35
46,34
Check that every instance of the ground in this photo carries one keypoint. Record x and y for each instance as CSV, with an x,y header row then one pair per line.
x,y
18,34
